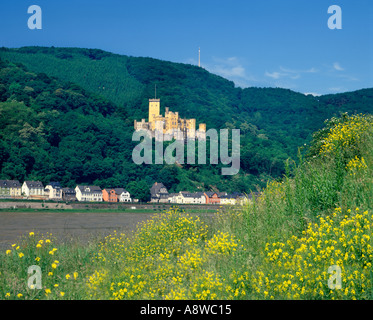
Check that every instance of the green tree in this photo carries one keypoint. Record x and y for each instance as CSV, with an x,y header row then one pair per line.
x,y
139,190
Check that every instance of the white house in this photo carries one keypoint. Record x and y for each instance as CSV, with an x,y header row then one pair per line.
x,y
199,197
88,193
228,199
184,197
55,190
123,195
172,197
33,189
178,198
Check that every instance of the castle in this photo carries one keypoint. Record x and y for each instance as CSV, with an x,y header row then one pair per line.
x,y
172,126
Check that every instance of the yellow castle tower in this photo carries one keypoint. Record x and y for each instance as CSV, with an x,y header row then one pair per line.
x,y
154,109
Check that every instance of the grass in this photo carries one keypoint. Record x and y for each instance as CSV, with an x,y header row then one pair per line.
x,y
281,246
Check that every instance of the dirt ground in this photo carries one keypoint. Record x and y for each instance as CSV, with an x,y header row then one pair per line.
x,y
66,225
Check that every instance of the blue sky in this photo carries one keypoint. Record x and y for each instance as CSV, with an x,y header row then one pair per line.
x,y
266,43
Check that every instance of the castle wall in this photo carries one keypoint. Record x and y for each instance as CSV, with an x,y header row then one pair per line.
x,y
171,124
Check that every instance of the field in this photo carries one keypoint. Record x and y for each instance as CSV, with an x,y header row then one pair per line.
x,y
315,221
83,224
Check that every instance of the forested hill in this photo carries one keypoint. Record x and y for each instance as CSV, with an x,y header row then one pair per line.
x,y
85,101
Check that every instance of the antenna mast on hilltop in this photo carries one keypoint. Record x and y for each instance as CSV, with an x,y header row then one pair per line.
x,y
199,57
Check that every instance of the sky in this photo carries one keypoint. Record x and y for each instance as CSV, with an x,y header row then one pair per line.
x,y
266,43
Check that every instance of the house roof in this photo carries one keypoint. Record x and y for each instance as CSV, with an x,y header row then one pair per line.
x,y
227,196
34,184
236,194
199,194
89,189
10,184
188,195
54,185
68,190
172,194
193,194
156,188
210,193
119,191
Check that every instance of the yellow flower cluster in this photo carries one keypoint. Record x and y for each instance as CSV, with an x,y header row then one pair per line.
x,y
206,286
95,279
169,257
346,135
167,230
356,165
221,243
191,259
239,286
274,190
35,251
298,268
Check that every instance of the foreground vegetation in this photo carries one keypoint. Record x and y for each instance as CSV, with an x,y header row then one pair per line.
x,y
279,247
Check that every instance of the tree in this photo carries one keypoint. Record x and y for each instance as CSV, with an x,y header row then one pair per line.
x,y
139,190
169,176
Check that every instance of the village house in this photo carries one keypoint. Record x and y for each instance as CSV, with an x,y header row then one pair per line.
x,y
194,198
158,193
199,197
185,197
172,197
179,198
68,194
228,199
33,189
116,195
55,190
88,193
124,195
109,195
212,197
163,198
10,189
15,189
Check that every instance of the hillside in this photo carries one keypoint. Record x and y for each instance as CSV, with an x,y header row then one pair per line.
x,y
57,131
125,83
